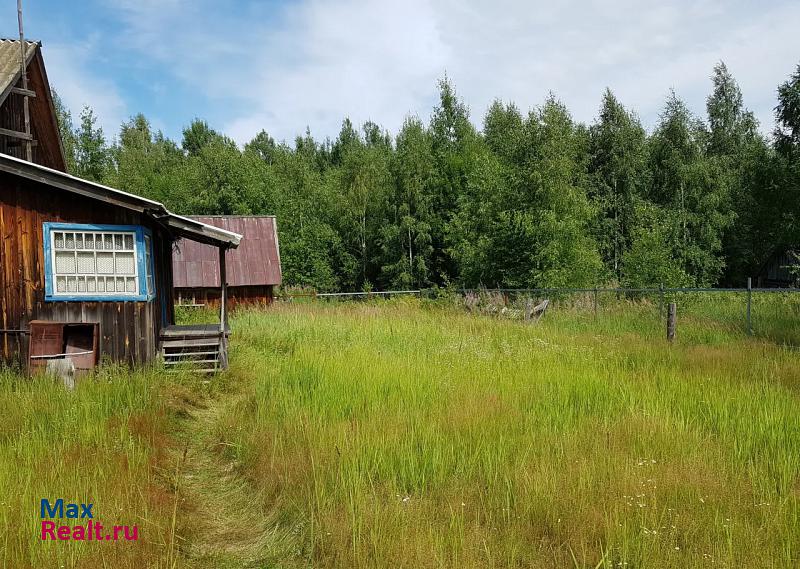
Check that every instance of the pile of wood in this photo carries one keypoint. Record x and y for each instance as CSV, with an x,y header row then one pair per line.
x,y
495,303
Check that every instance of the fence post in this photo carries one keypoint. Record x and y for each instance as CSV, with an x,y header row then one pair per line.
x,y
595,303
661,299
671,314
749,302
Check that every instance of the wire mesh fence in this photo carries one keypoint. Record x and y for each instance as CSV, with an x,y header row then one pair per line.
x,y
762,312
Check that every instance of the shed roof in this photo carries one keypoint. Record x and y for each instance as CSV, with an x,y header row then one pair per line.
x,y
180,225
9,63
257,261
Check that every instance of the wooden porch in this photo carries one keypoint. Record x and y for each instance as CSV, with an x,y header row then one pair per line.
x,y
202,347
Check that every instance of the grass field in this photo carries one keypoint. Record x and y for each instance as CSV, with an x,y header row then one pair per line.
x,y
410,434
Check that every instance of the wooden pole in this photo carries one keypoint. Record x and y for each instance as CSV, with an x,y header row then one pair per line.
x,y
749,302
24,77
223,311
671,317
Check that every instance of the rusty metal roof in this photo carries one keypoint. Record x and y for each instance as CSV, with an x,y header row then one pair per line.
x,y
256,262
9,63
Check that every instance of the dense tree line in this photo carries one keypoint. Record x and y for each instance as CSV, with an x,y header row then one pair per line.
x,y
529,200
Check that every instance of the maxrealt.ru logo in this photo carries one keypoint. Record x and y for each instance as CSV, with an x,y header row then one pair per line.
x,y
90,531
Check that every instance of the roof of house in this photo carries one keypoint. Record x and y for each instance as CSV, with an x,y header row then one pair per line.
x,y
42,114
180,225
257,261
9,63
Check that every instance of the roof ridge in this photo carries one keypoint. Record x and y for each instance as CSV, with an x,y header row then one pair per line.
x,y
16,40
232,216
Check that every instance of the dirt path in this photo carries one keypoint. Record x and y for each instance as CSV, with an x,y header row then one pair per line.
x,y
220,523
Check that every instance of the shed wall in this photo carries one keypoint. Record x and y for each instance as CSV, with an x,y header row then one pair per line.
x,y
128,330
238,296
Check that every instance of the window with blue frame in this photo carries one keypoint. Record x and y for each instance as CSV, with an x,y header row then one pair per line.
x,y
98,262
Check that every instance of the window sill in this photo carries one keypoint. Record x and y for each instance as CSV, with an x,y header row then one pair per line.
x,y
87,298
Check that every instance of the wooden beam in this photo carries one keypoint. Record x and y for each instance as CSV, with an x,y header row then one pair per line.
x,y
33,143
223,310
25,92
23,67
15,134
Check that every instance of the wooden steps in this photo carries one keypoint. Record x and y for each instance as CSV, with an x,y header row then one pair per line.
x,y
196,347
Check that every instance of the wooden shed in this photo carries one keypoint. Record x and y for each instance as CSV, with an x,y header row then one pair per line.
x,y
781,269
254,268
86,270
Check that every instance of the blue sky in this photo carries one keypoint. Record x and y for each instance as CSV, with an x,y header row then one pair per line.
x,y
283,66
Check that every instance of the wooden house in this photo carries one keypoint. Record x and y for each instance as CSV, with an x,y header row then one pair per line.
x,y
85,269
254,268
46,149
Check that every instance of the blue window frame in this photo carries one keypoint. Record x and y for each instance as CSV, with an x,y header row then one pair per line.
x,y
98,262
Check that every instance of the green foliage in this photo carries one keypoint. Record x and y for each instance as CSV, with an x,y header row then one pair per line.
x,y
92,154
693,189
406,235
197,136
787,114
533,200
148,163
738,152
618,176
651,260
787,167
453,139
66,130
554,173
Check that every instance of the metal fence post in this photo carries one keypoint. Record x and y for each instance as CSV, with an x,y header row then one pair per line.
x,y
595,303
661,299
749,303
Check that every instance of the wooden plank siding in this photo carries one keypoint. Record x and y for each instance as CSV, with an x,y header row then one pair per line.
x,y
238,296
128,330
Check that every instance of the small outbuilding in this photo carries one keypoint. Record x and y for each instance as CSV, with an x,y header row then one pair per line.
x,y
254,268
85,269
781,269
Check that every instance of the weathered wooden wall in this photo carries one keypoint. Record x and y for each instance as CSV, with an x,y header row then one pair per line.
x,y
128,330
237,296
47,150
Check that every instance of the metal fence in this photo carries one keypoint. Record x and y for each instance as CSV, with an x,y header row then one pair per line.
x,y
765,312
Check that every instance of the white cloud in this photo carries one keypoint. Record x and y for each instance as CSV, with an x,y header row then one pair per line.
x,y
313,62
70,73
368,61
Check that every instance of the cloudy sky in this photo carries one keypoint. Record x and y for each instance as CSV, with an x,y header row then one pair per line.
x,y
282,66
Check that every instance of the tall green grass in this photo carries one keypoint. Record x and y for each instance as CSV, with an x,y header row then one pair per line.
x,y
393,435
410,434
101,443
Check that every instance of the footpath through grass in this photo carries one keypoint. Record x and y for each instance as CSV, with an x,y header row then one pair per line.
x,y
403,434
